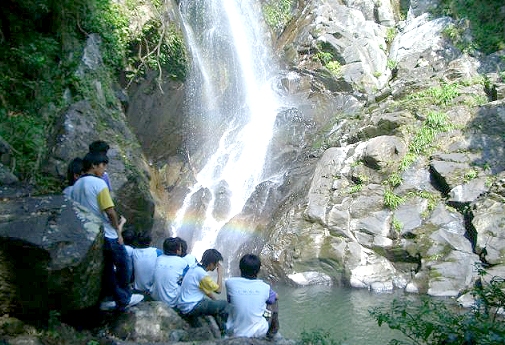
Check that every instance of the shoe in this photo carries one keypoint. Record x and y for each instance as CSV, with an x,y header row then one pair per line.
x,y
135,299
108,305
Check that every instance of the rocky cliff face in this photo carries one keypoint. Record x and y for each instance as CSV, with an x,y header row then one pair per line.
x,y
394,200
392,153
392,179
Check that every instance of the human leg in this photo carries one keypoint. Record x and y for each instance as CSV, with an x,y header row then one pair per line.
x,y
217,308
119,278
274,325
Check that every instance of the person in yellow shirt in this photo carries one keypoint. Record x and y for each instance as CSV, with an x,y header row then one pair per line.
x,y
198,291
91,191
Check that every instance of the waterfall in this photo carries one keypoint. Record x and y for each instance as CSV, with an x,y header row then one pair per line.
x,y
231,108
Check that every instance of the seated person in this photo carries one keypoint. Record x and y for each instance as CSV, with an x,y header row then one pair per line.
x,y
74,171
249,298
129,238
190,258
197,291
144,261
168,273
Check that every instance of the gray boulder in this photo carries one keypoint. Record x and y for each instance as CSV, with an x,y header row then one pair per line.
x,y
51,256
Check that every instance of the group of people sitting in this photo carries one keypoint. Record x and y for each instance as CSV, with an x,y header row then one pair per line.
x,y
172,276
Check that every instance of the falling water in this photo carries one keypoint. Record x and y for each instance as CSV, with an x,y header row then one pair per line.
x,y
231,106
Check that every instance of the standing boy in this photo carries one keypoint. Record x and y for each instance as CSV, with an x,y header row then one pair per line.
x,y
101,147
91,191
249,297
197,297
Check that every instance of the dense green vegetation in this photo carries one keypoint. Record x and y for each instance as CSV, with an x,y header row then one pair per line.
x,y
41,43
485,19
433,322
278,13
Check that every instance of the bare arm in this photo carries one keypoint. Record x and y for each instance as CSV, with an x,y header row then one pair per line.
x,y
114,221
219,282
122,222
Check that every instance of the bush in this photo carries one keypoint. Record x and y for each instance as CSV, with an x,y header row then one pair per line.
x,y
434,322
317,337
486,21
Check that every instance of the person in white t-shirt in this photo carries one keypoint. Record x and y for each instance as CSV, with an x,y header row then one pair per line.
x,y
252,301
74,171
190,258
168,273
144,262
197,297
129,239
92,192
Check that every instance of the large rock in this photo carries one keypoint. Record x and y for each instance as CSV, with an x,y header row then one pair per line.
x,y
103,119
51,256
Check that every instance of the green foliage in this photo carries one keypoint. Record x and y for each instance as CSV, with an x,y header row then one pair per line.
x,y
394,180
324,57
392,64
470,175
40,47
424,138
32,80
432,198
391,200
434,322
486,22
390,35
278,13
396,224
317,337
355,188
435,123
440,95
159,47
328,60
334,67
111,21
407,160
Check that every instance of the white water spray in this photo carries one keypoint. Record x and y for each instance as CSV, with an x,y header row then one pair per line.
x,y
230,87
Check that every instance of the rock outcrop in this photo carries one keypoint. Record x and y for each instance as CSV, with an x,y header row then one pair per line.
x,y
51,256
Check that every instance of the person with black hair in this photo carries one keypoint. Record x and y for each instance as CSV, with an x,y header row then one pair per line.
x,y
144,262
101,147
197,297
74,171
92,192
190,258
168,273
253,304
129,240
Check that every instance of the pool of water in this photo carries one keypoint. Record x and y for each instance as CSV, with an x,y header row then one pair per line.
x,y
342,312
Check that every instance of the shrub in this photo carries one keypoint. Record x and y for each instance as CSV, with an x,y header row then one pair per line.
x,y
277,13
391,200
317,337
434,322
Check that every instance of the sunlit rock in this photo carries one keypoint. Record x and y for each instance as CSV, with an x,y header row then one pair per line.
x,y
310,278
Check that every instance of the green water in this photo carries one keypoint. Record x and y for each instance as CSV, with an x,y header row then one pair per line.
x,y
342,312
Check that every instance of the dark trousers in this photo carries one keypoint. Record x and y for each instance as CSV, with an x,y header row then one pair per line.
x,y
216,308
273,322
116,280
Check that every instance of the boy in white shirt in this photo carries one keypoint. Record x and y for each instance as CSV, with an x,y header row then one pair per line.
x,y
197,297
92,192
248,298
168,273
190,258
144,262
